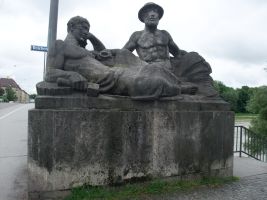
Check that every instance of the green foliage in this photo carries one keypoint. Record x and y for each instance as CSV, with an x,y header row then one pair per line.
x,y
240,98
2,91
244,95
258,100
10,94
259,126
219,86
231,96
143,190
228,94
263,113
4,98
258,104
259,141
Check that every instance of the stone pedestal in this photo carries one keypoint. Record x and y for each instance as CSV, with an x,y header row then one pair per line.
x,y
102,140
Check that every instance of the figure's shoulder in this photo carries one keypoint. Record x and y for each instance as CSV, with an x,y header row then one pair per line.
x,y
138,32
136,35
56,47
59,43
166,33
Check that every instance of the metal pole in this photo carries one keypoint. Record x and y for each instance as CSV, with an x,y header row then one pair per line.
x,y
44,65
52,28
240,143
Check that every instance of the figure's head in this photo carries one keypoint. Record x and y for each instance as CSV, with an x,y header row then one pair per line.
x,y
78,27
150,14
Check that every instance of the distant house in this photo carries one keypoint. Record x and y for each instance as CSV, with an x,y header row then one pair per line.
x,y
23,97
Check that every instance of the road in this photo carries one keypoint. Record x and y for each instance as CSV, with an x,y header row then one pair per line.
x,y
13,150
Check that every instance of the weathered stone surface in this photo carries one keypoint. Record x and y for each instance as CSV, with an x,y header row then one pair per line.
x,y
92,90
151,75
102,141
178,103
51,89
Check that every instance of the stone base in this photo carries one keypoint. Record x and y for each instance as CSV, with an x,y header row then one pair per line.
x,y
107,140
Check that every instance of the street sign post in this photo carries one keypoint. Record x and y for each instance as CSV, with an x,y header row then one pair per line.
x,y
39,48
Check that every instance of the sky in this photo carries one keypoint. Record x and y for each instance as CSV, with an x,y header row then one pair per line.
x,y
230,34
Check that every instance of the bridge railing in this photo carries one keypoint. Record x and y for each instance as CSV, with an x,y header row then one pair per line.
x,y
248,143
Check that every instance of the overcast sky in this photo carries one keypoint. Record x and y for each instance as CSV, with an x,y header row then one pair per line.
x,y
230,34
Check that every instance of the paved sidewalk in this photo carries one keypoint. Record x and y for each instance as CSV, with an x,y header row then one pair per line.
x,y
251,186
244,167
247,188
13,151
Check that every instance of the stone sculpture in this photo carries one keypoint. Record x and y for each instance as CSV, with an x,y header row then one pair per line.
x,y
78,139
154,46
150,76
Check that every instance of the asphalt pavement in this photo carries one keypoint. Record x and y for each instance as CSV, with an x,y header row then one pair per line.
x,y
13,150
13,164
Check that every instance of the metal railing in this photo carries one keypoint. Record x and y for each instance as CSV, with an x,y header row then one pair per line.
x,y
248,143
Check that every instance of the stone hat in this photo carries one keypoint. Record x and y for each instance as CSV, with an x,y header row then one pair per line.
x,y
147,7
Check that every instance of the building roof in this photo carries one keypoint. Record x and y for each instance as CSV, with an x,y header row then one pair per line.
x,y
6,82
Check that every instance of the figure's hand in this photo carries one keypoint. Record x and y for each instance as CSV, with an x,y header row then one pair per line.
x,y
84,38
89,36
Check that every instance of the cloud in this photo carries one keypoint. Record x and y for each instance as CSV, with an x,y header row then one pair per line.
x,y
231,35
236,74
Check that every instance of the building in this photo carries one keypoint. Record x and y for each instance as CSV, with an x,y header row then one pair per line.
x,y
23,97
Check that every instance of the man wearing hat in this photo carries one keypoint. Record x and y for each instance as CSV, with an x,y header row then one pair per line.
x,y
154,46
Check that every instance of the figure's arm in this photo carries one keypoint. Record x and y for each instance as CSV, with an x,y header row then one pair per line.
x,y
132,43
97,44
67,78
173,48
76,52
55,68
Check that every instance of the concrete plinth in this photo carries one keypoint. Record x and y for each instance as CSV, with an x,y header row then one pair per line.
x,y
75,140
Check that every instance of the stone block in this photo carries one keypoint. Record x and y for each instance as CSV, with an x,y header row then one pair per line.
x,y
110,140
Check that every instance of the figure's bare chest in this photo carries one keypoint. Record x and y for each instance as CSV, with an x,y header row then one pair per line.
x,y
149,40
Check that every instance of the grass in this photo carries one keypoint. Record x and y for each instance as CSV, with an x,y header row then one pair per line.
x,y
142,190
245,116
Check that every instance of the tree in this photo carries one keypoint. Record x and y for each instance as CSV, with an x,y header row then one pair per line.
x,y
228,94
2,91
244,95
258,104
10,94
258,100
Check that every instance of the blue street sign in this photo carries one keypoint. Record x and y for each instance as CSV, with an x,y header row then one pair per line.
x,y
39,48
